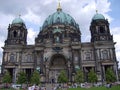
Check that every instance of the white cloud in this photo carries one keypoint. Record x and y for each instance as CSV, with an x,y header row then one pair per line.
x,y
116,36
3,35
5,20
32,17
31,35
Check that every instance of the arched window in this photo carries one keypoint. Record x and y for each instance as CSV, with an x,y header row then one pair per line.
x,y
102,29
14,34
57,39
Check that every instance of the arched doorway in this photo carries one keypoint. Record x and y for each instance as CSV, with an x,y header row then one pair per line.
x,y
57,63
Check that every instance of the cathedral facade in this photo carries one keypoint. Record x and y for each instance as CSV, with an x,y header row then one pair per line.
x,y
58,47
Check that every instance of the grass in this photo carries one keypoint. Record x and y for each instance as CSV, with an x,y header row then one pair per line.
x,y
92,88
9,89
97,88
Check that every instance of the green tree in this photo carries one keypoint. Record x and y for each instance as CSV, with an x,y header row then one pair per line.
x,y
92,76
35,79
21,78
110,75
119,73
79,77
7,78
62,78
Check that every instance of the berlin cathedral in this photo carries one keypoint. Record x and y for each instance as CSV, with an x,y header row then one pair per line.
x,y
58,47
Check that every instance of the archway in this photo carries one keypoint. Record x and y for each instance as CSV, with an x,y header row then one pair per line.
x,y
57,63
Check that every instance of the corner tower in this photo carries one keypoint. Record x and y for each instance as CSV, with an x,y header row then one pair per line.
x,y
100,28
17,33
104,47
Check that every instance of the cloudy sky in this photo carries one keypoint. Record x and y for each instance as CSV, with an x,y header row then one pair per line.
x,y
34,13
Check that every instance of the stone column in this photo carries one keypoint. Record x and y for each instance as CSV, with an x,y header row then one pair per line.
x,y
103,70
116,64
69,72
3,62
116,71
85,73
35,59
72,61
80,62
20,60
46,73
41,62
13,75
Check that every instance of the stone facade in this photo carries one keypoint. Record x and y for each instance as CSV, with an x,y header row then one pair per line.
x,y
58,47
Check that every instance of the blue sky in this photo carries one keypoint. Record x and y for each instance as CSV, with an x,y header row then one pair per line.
x,y
115,12
34,13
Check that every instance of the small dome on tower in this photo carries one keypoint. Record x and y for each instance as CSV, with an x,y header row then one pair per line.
x,y
98,16
17,21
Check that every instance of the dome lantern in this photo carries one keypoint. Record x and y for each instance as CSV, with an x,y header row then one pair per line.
x,y
98,16
18,20
59,7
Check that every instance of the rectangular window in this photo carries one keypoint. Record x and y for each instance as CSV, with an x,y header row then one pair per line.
x,y
88,56
12,58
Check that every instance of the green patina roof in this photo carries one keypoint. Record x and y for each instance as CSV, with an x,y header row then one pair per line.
x,y
59,17
98,16
17,21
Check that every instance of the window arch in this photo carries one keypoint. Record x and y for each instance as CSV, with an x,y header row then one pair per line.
x,y
102,29
15,34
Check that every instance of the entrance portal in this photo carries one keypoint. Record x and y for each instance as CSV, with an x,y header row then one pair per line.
x,y
57,64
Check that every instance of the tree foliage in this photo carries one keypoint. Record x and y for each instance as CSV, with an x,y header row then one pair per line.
x,y
35,79
110,75
7,78
92,76
62,78
119,73
79,77
21,78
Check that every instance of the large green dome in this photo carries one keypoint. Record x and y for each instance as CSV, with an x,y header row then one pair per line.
x,y
17,21
98,17
59,17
